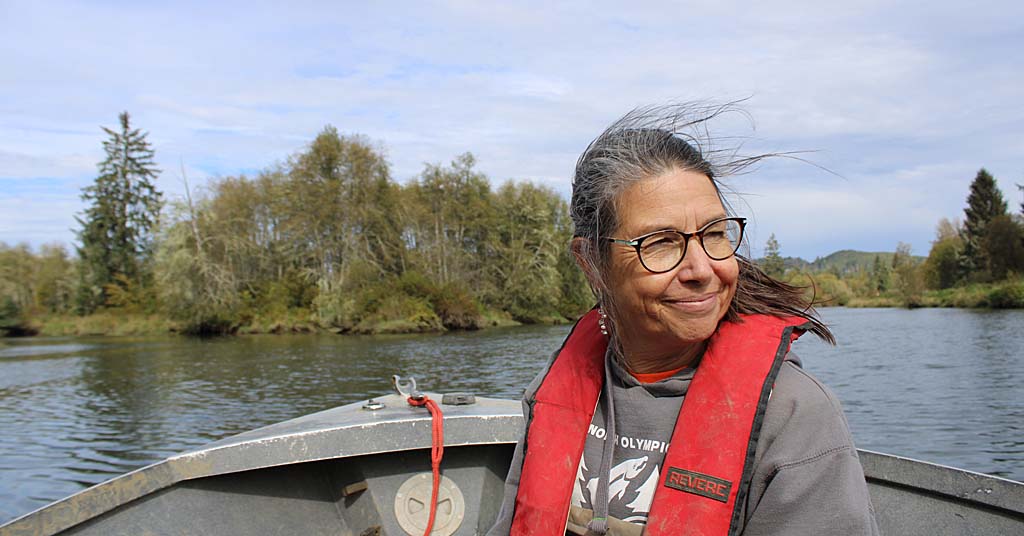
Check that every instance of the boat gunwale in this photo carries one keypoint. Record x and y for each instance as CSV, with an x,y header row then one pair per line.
x,y
944,481
345,431
411,427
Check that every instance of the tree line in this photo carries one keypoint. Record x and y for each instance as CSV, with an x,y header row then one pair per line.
x,y
324,240
976,262
327,239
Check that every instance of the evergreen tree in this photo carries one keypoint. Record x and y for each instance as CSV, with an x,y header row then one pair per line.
x,y
879,275
984,203
1021,188
773,263
1003,246
118,224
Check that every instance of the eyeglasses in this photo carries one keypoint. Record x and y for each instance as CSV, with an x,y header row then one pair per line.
x,y
662,251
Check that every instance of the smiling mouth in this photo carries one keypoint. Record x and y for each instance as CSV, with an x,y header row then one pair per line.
x,y
694,304
695,299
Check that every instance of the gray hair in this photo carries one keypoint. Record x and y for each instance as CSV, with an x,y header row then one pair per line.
x,y
651,141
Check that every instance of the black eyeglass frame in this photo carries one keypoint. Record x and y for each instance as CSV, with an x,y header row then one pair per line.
x,y
637,243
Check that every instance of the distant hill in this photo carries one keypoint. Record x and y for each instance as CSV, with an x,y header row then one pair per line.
x,y
847,261
844,261
795,262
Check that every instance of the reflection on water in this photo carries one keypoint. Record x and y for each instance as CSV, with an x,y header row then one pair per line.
x,y
941,385
43,350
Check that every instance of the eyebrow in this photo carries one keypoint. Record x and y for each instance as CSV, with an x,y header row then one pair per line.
x,y
665,227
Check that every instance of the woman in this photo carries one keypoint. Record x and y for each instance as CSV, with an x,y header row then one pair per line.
x,y
759,446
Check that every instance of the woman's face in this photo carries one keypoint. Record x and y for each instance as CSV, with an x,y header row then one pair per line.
x,y
661,315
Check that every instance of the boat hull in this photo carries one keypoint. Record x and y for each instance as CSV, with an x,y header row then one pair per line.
x,y
356,471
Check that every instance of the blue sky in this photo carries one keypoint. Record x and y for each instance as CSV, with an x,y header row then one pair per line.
x,y
904,101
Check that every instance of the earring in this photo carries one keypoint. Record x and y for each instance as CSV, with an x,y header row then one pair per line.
x,y
601,321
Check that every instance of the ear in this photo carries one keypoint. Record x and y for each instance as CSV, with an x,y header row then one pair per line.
x,y
578,246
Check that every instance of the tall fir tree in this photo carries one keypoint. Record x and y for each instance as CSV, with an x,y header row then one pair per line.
x,y
118,224
773,264
984,203
879,276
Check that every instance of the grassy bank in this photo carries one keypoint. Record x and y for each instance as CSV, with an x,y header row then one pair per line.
x,y
303,321
120,323
1001,295
113,323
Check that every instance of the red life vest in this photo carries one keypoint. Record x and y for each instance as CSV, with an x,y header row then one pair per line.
x,y
709,463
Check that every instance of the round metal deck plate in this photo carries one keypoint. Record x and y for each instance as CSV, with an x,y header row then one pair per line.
x,y
412,505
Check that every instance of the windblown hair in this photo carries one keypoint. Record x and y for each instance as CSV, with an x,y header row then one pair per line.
x,y
648,142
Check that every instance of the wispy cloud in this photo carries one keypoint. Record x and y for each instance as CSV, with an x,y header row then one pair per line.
x,y
905,102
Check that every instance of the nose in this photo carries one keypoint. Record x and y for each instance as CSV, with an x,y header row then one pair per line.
x,y
696,265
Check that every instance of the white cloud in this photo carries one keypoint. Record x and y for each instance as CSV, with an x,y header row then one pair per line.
x,y
57,166
894,97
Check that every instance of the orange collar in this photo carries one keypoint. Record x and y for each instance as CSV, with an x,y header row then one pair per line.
x,y
652,377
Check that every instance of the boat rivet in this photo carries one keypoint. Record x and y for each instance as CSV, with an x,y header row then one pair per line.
x,y
373,405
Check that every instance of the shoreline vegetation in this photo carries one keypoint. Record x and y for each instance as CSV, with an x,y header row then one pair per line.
x,y
328,242
404,306
1002,295
120,323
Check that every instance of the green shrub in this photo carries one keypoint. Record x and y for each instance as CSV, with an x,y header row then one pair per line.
x,y
335,309
452,303
1009,295
10,314
291,291
457,308
400,314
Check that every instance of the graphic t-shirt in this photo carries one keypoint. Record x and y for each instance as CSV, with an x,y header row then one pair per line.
x,y
645,415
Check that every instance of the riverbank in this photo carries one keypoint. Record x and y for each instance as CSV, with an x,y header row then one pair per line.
x,y
121,323
1001,295
113,322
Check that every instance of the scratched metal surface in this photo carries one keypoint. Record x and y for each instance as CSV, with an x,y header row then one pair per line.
x,y
343,432
910,497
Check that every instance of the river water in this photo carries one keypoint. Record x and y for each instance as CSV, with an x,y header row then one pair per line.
x,y
943,385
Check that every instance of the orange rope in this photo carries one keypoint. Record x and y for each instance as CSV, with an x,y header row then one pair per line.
x,y
436,451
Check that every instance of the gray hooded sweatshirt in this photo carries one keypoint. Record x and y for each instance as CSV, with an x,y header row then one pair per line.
x,y
807,477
